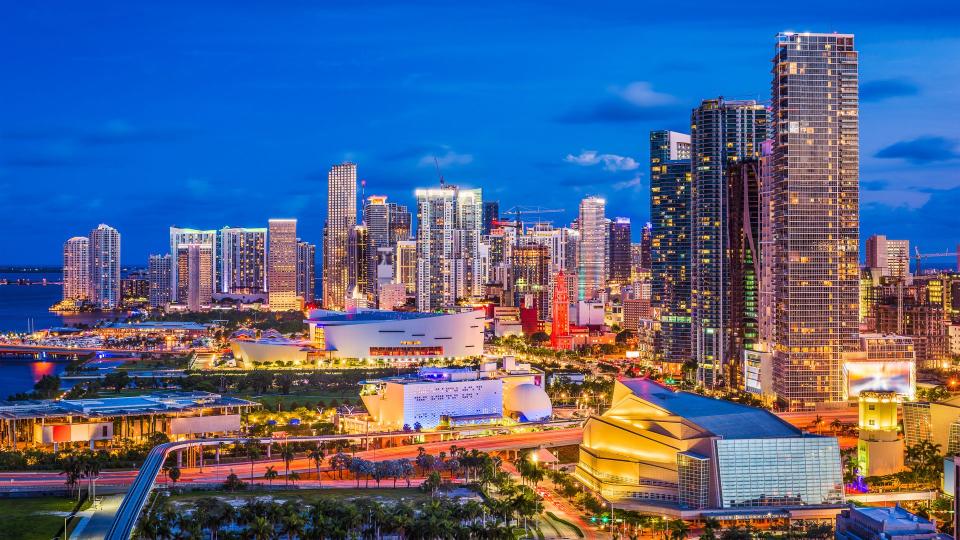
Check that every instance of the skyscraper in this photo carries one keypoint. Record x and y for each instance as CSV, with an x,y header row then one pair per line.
x,y
376,216
742,300
892,257
491,214
530,271
670,199
448,241
282,265
405,261
243,260
723,132
158,274
619,256
360,240
306,271
104,259
646,242
76,269
338,230
594,230
195,275
816,211
180,237
400,223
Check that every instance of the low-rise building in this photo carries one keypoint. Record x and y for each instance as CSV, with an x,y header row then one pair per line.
x,y
871,523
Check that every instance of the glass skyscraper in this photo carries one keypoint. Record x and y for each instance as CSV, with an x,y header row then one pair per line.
x,y
816,214
670,181
592,248
337,234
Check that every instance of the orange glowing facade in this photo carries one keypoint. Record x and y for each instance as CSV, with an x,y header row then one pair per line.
x,y
560,337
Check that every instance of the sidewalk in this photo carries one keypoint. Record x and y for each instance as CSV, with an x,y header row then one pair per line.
x,y
94,524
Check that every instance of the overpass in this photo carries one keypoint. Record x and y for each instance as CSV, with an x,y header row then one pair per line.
x,y
139,492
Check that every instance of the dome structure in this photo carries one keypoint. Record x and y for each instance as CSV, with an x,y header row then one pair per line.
x,y
528,402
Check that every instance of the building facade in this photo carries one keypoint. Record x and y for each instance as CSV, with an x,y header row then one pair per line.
x,y
619,270
282,265
195,276
76,269
158,273
594,238
306,271
243,260
182,237
892,257
104,259
337,234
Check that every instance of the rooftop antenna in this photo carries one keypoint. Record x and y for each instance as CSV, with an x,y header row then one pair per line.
x,y
436,162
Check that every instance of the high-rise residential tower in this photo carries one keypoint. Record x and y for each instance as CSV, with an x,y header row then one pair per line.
x,y
742,299
491,214
158,274
180,237
376,216
243,260
594,231
816,214
405,263
195,275
670,199
76,269
530,273
338,231
618,272
282,265
104,259
892,257
400,223
723,133
306,271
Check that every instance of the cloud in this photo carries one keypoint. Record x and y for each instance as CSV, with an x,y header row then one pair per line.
x,y
873,185
922,150
635,102
882,89
446,160
611,162
635,183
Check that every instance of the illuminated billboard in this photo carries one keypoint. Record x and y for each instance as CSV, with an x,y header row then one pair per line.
x,y
898,376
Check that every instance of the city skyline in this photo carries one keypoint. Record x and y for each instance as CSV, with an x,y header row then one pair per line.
x,y
589,139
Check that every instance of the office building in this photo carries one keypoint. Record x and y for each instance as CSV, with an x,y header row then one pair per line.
x,y
816,214
376,217
405,261
195,276
282,265
181,237
937,422
530,271
360,248
306,271
134,289
104,260
892,257
688,456
670,184
401,223
392,296
491,215
76,269
870,523
723,133
619,271
337,233
158,273
243,260
592,249
448,241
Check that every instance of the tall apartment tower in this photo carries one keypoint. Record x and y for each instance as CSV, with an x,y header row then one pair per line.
x,y
376,216
491,214
400,223
282,265
646,243
338,230
892,257
158,275
530,273
594,234
816,214
405,263
670,200
618,273
243,260
180,237
743,255
306,271
104,259
723,133
360,247
195,282
76,269
448,242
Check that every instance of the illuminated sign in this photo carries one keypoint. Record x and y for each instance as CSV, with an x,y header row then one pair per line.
x,y
892,376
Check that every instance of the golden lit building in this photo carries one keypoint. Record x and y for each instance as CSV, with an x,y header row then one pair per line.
x,y
282,265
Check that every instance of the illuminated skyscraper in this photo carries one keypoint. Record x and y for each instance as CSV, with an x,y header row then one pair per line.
x,y
76,269
816,211
306,271
670,184
594,231
560,312
491,214
338,230
104,259
892,257
742,298
724,132
360,240
405,261
530,271
282,265
186,237
243,260
158,274
400,223
619,252
195,276
376,216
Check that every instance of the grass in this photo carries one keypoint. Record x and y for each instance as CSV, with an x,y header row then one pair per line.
x,y
576,529
32,518
384,493
269,401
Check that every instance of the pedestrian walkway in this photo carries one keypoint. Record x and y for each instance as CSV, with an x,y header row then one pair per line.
x,y
96,520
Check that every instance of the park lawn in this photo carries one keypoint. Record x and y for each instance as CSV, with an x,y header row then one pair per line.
x,y
33,518
269,401
385,494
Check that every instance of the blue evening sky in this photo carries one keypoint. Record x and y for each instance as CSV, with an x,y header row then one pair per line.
x,y
202,114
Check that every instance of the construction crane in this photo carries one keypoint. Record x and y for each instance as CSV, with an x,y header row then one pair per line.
x,y
520,211
437,163
918,257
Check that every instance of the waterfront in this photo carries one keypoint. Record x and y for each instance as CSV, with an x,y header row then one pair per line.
x,y
19,375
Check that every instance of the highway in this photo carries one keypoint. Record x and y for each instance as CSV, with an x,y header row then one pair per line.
x,y
139,492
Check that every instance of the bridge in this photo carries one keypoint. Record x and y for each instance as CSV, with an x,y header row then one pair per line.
x,y
11,349
139,492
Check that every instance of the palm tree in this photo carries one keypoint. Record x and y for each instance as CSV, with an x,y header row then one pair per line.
x,y
214,513
317,456
270,474
836,425
678,529
817,423
291,521
294,477
710,527
253,451
287,453
260,528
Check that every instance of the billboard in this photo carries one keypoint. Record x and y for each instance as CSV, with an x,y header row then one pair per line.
x,y
884,376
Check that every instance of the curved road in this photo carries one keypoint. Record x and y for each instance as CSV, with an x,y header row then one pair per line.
x,y
139,492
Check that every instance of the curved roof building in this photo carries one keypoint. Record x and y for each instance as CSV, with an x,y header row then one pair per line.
x,y
529,402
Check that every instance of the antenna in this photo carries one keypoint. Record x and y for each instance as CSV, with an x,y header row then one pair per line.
x,y
436,162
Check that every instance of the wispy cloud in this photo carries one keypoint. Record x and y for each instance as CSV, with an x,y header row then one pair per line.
x,y
635,183
445,160
882,89
637,101
611,162
922,150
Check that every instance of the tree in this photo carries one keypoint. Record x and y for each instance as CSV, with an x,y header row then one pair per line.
x,y
432,483
234,483
317,456
270,474
287,453
710,527
48,386
252,449
678,529
174,473
817,423
117,380
214,513
539,338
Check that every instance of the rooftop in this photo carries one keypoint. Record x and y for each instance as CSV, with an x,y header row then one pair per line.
x,y
722,418
369,316
155,403
158,325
